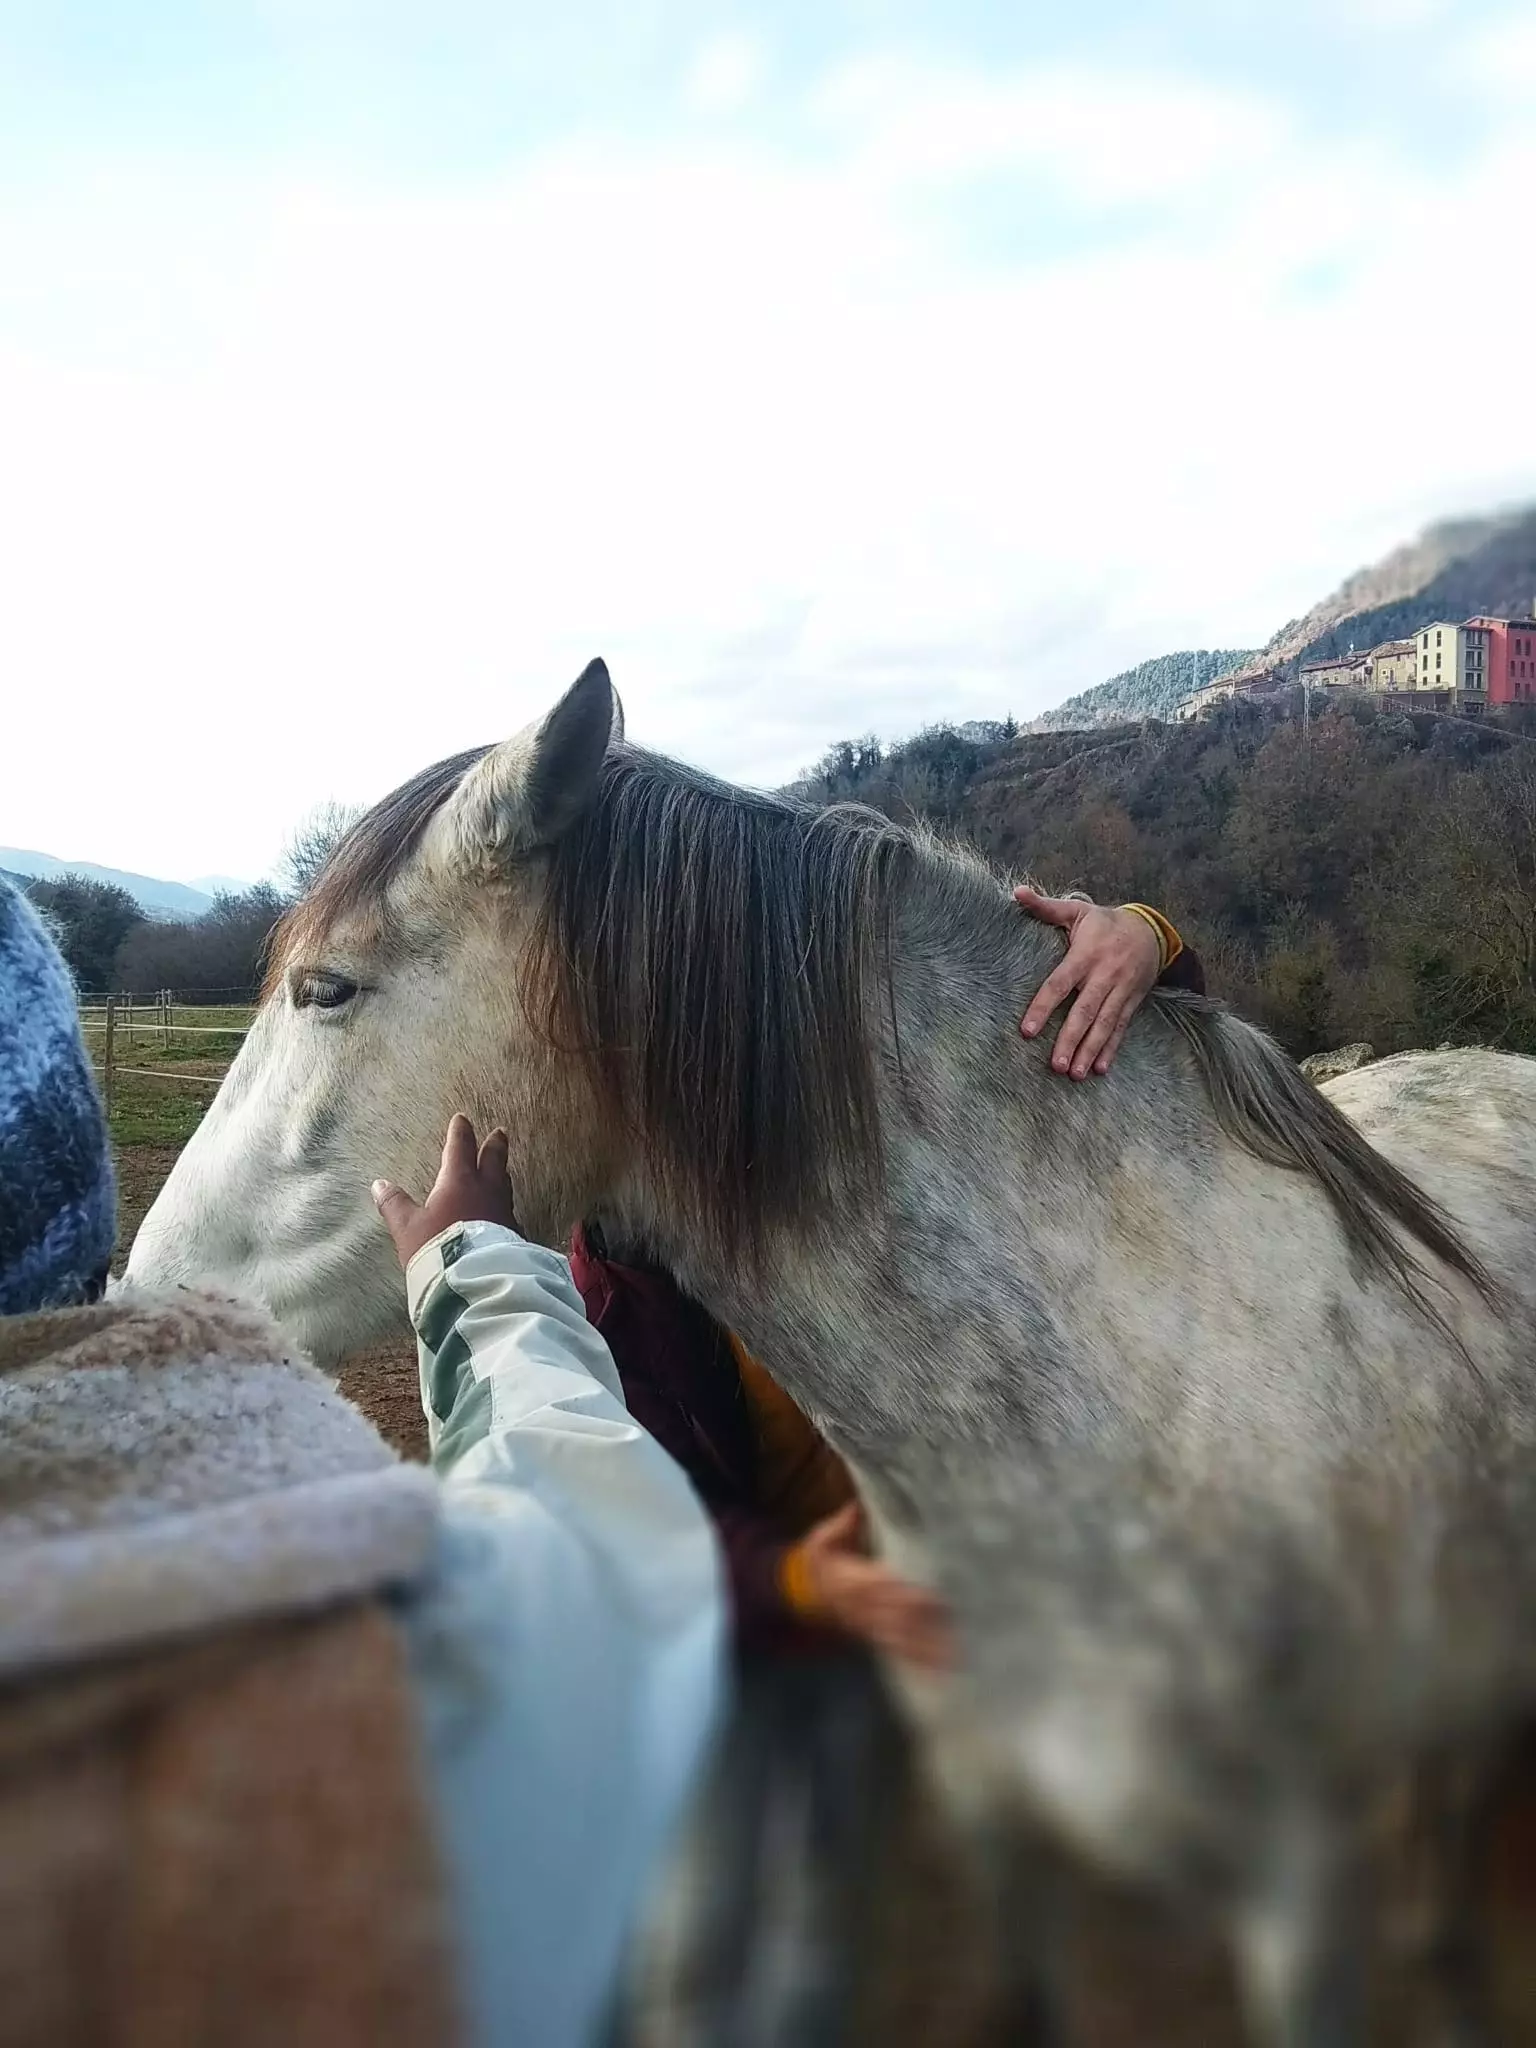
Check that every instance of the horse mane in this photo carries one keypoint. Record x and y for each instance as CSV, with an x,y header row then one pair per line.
x,y
1263,1101
364,862
714,956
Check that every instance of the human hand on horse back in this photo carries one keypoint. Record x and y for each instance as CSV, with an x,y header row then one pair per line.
x,y
1112,962
843,1586
471,1187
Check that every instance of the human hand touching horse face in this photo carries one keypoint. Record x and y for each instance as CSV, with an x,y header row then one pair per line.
x,y
1111,964
471,1187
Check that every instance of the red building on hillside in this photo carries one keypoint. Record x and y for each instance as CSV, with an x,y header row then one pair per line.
x,y
1511,647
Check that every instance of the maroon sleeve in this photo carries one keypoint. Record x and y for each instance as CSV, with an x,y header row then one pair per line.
x,y
1184,972
754,1551
764,1620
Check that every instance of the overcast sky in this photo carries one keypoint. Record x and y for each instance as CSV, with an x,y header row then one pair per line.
x,y
366,366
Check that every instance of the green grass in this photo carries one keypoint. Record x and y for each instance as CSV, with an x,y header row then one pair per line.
x,y
150,1110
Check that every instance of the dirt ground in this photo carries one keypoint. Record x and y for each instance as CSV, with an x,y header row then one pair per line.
x,y
384,1385
1137,1980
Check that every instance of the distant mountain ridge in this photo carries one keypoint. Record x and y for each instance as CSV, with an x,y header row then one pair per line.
x,y
218,885
157,898
1150,690
1453,570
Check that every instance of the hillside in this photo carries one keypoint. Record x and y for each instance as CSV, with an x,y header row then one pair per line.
x,y
1150,690
1322,869
1452,570
157,898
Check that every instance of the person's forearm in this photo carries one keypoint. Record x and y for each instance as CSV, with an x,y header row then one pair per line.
x,y
520,1389
495,1315
567,1649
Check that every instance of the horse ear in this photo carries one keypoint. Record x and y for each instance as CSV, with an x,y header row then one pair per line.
x,y
532,788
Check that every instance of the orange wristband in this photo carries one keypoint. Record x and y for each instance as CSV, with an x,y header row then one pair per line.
x,y
1169,944
795,1582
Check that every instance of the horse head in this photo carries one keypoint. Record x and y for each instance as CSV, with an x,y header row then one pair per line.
x,y
390,1002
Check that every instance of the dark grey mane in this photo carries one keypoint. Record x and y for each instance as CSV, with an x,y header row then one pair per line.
x,y
713,955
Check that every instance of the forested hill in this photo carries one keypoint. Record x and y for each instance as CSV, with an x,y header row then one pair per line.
x,y
1324,869
1453,570
1150,690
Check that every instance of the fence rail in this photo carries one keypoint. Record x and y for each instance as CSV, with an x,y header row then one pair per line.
x,y
128,1017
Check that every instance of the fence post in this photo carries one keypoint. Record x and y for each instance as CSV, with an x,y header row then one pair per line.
x,y
109,1059
165,1016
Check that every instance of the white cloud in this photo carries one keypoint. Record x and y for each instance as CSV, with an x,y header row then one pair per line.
x,y
304,485
1391,17
1098,138
1501,59
726,73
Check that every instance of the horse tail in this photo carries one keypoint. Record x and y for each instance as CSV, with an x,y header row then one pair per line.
x,y
1264,1103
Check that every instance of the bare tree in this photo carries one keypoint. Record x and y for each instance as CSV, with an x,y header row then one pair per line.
x,y
220,952
314,840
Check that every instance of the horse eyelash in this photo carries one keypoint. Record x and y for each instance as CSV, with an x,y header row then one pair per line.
x,y
323,977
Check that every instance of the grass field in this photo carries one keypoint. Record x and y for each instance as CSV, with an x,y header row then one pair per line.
x,y
153,1111
153,1117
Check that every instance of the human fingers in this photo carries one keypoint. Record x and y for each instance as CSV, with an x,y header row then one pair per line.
x,y
1060,910
1079,1022
1090,1052
913,1625
492,1159
460,1149
1106,1058
840,1531
1057,986
399,1211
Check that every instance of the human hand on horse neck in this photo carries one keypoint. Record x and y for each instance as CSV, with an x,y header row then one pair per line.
x,y
860,1595
471,1187
1112,962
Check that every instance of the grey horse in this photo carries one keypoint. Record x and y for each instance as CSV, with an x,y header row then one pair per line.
x,y
1187,1389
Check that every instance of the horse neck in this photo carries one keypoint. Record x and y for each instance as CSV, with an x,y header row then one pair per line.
x,y
963,1097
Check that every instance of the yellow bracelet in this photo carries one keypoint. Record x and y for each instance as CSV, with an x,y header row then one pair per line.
x,y
795,1583
1169,944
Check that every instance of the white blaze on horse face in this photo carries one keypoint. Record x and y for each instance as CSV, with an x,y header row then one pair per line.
x,y
270,1199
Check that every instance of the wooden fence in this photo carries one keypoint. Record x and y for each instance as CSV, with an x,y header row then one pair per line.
x,y
126,1019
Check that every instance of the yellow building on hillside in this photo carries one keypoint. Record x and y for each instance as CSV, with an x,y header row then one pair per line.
x,y
1455,657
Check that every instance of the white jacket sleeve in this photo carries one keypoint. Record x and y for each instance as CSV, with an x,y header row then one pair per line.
x,y
569,1649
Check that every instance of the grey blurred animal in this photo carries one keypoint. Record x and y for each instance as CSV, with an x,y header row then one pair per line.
x,y
1208,1423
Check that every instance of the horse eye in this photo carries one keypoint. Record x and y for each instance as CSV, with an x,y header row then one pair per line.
x,y
323,992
